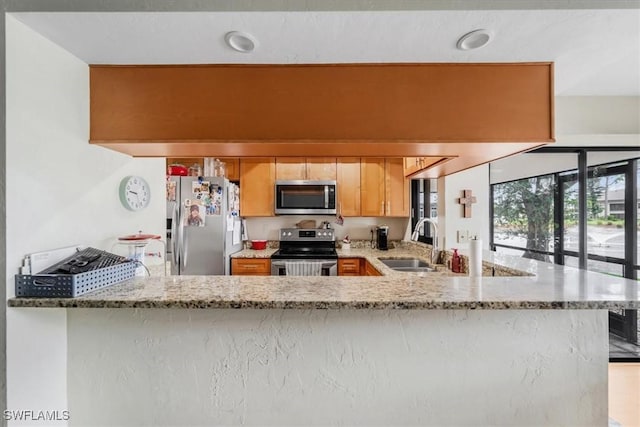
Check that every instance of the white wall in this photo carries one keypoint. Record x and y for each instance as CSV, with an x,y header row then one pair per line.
x,y
357,228
450,215
60,191
590,115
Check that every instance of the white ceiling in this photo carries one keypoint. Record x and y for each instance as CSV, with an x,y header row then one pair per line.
x,y
596,52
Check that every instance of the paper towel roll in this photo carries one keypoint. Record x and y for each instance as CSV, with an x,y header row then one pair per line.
x,y
475,258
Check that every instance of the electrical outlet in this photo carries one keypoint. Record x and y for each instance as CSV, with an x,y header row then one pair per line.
x,y
463,236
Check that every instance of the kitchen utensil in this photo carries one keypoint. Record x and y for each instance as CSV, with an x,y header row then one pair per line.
x,y
258,244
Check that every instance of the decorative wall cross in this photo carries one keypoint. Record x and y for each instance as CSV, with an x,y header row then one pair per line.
x,y
466,201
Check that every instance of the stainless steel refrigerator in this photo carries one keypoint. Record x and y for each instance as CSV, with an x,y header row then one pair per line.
x,y
205,224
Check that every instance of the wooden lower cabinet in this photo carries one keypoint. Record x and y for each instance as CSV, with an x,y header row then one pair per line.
x,y
250,267
350,266
369,270
356,267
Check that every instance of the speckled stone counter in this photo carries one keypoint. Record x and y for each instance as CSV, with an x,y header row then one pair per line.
x,y
546,286
396,349
252,253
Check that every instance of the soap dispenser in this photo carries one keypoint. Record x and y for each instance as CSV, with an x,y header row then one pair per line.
x,y
455,262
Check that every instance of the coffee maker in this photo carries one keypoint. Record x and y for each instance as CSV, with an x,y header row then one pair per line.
x,y
382,237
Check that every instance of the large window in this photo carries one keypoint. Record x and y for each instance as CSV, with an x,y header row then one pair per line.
x,y
549,217
523,216
538,217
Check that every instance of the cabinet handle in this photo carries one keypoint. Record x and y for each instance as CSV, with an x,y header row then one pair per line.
x,y
382,208
250,266
389,207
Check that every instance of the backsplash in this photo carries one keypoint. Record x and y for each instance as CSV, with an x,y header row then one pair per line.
x,y
358,228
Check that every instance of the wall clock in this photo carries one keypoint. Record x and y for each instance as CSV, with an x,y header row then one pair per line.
x,y
134,193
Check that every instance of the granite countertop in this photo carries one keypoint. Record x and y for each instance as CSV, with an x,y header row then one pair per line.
x,y
538,286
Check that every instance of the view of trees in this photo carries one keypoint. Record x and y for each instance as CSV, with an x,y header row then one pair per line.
x,y
525,208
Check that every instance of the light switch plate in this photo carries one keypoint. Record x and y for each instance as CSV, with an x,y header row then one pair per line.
x,y
463,236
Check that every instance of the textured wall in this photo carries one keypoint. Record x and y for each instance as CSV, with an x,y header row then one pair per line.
x,y
60,191
351,367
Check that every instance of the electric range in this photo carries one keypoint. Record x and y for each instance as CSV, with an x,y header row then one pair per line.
x,y
305,252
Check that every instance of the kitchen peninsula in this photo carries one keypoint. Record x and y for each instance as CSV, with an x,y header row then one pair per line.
x,y
402,348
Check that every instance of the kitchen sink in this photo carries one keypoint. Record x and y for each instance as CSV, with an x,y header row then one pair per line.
x,y
406,264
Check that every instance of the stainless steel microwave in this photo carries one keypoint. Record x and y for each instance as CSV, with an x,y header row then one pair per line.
x,y
302,197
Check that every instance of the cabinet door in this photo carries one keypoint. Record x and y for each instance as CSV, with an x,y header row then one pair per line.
x,y
257,181
372,181
232,168
349,267
250,267
348,186
291,168
411,165
321,168
369,270
396,189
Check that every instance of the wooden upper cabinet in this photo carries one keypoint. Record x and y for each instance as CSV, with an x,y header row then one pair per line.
x,y
397,192
232,168
348,184
372,187
322,168
257,186
292,168
385,190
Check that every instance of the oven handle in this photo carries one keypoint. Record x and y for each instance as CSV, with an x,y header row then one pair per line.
x,y
331,264
326,196
281,262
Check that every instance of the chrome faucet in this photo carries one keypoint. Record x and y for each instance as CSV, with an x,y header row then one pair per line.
x,y
415,234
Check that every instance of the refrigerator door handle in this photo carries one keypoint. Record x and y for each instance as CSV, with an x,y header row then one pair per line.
x,y
180,236
185,248
174,235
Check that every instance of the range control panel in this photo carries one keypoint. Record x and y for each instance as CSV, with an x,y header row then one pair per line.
x,y
307,235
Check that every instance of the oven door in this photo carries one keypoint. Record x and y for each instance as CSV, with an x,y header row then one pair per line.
x,y
327,267
305,197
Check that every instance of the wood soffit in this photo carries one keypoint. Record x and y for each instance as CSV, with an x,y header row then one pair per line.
x,y
469,113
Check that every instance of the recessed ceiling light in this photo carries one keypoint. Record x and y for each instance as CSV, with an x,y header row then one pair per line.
x,y
474,40
242,42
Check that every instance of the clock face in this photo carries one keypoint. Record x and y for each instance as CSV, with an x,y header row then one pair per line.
x,y
134,193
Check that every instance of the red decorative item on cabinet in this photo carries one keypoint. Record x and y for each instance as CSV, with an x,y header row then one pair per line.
x,y
177,170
